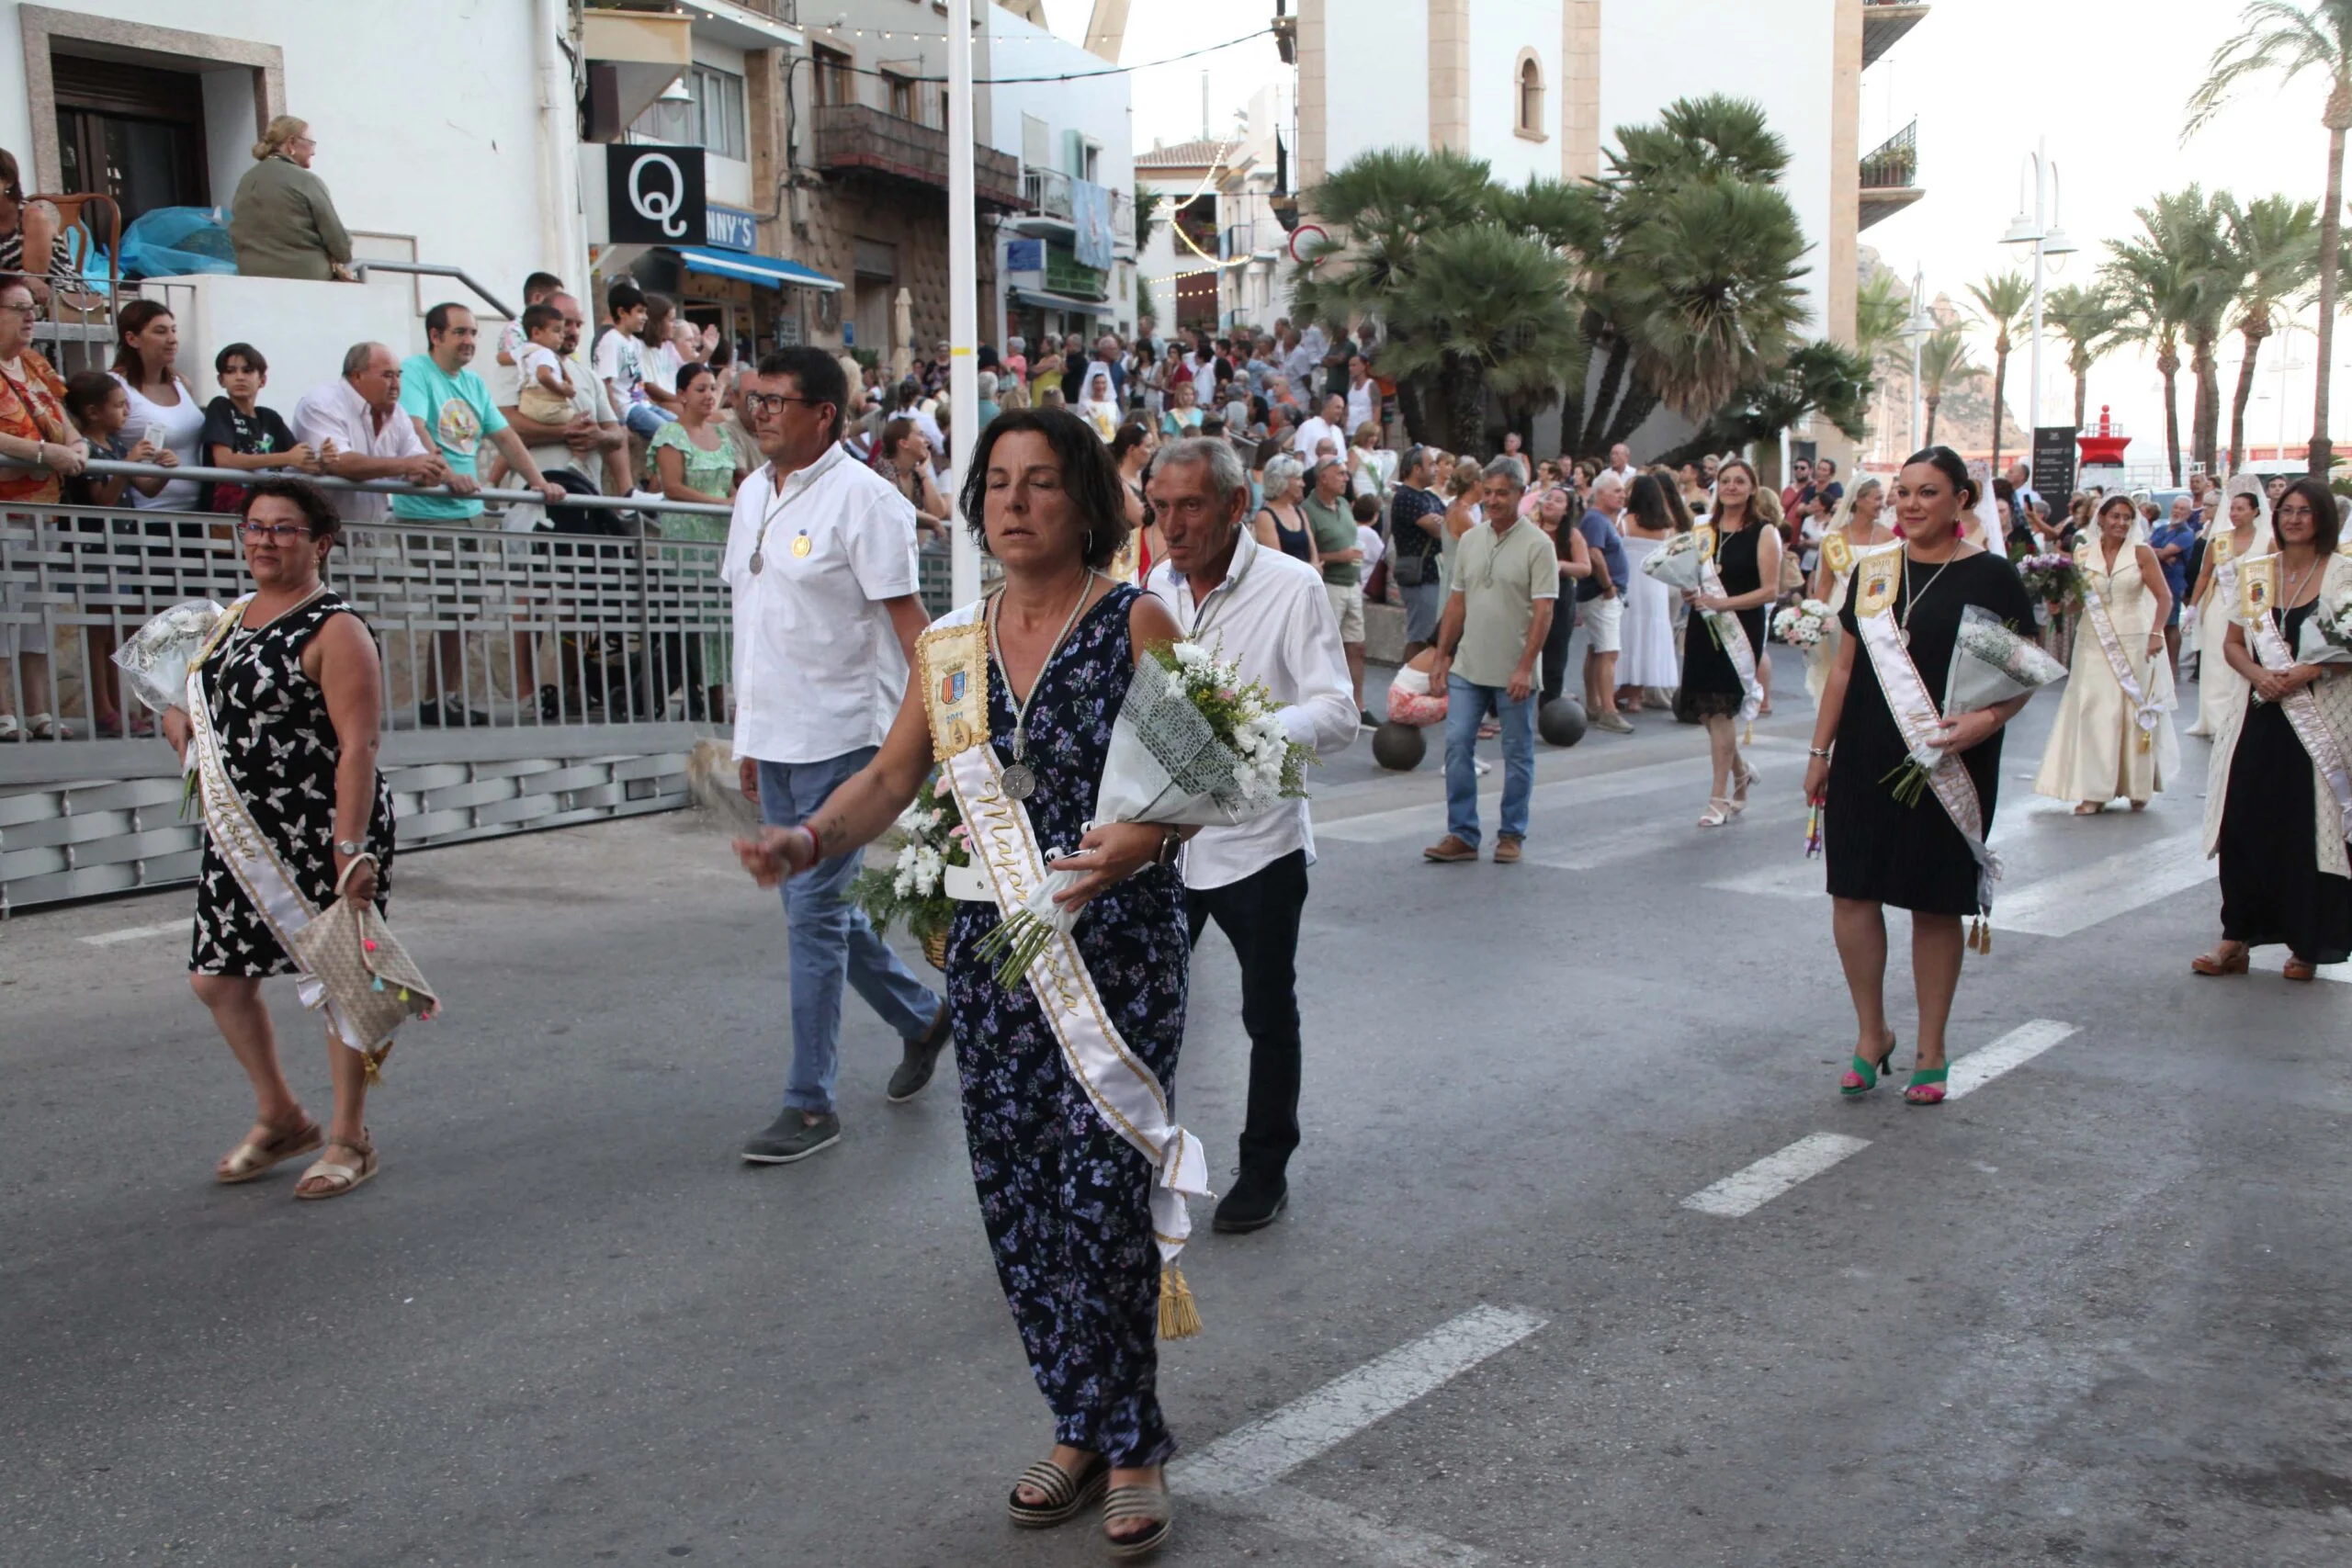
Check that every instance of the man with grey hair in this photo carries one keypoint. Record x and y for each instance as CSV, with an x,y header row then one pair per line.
x,y
1269,612
1505,587
355,425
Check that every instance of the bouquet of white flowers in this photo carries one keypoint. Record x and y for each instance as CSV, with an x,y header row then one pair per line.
x,y
1991,662
1193,745
2327,637
1678,563
154,661
928,838
1804,625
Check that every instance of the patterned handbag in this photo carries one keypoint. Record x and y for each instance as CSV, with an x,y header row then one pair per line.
x,y
371,984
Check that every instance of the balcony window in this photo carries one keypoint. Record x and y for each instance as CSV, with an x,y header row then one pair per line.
x,y
1530,86
836,82
711,120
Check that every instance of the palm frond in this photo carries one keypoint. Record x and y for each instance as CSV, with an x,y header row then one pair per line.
x,y
2276,36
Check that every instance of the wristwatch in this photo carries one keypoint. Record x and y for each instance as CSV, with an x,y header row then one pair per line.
x,y
1170,843
348,847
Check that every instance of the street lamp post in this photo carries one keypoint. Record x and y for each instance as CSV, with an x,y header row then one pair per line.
x,y
962,295
1916,329
2037,227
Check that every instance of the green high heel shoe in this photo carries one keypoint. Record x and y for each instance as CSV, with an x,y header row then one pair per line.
x,y
1926,1086
1863,1076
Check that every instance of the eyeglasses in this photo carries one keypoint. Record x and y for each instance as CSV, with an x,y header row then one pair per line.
x,y
29,313
274,533
773,403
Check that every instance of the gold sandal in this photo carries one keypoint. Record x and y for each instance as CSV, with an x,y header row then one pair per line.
x,y
340,1179
250,1159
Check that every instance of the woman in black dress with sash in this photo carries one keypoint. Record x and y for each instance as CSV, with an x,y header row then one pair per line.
x,y
2269,814
294,693
1880,851
1748,556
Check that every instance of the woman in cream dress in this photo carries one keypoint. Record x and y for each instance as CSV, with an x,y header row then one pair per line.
x,y
2098,750
1857,521
2243,532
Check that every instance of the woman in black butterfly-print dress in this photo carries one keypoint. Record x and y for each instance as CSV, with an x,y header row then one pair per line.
x,y
294,694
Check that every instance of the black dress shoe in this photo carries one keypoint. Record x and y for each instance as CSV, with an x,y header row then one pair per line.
x,y
1252,1204
914,1069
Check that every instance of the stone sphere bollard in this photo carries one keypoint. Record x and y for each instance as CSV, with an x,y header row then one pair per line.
x,y
1399,747
1561,721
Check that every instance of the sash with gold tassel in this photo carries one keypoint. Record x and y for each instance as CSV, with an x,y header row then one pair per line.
x,y
1730,634
2147,712
952,662
1876,578
2257,604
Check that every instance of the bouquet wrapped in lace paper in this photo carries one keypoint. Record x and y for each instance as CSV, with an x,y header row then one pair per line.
x,y
1679,562
1991,662
154,661
1802,625
1193,745
2326,637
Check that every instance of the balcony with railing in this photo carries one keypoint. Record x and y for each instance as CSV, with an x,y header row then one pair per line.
x,y
1050,210
1884,22
1890,176
861,140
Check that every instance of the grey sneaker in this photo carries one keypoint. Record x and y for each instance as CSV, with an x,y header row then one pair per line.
x,y
1614,722
789,1139
914,1070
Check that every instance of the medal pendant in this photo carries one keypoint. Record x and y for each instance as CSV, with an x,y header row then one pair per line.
x,y
758,563
801,547
1020,782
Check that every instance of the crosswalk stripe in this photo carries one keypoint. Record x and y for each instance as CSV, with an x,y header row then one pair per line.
x,y
2015,1049
2091,894
1745,1191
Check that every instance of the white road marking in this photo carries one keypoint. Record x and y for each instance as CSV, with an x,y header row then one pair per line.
x,y
2015,1049
1254,1457
2274,959
2090,894
1745,1191
136,933
1796,877
1358,1537
1587,852
1408,821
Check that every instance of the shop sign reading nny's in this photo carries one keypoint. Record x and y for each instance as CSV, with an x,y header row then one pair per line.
x,y
653,195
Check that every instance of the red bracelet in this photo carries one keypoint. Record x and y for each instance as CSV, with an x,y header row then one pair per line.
x,y
816,844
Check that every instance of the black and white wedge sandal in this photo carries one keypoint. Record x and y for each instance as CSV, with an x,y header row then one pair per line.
x,y
1138,1503
1065,1494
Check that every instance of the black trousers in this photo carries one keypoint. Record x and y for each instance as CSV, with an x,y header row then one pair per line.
x,y
1552,665
1260,915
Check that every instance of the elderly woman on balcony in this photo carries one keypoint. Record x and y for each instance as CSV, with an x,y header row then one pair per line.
x,y
283,221
33,429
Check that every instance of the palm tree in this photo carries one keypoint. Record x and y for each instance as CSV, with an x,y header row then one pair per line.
x,y
1881,308
2287,39
2156,288
1943,360
2196,230
2091,322
2279,241
1487,310
2002,299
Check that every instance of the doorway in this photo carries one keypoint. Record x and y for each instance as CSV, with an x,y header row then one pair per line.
x,y
131,132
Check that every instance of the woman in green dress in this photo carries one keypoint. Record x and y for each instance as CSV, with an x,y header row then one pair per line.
x,y
695,458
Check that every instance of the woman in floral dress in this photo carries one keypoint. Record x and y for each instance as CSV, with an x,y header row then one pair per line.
x,y
1065,1200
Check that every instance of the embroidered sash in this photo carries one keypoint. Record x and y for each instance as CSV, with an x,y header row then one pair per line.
x,y
1730,634
2225,569
1916,714
2147,712
2311,727
952,661
242,844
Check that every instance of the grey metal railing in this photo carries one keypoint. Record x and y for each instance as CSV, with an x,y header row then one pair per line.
x,y
360,269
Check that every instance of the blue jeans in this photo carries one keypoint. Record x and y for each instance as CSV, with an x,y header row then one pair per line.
x,y
1465,706
647,418
831,940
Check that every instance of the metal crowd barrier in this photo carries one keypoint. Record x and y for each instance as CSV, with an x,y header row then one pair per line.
x,y
584,666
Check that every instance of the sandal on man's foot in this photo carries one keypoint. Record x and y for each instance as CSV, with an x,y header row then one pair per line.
x,y
332,1178
255,1156
1064,1493
1125,1504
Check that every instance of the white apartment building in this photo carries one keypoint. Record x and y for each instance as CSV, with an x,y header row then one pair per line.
x,y
1218,256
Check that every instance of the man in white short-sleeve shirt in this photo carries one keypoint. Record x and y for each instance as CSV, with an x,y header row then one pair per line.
x,y
821,554
355,425
1270,614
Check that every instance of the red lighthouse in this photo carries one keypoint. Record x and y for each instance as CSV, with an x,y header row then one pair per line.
x,y
2103,448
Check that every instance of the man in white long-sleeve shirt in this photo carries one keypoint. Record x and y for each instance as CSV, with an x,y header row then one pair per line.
x,y
1269,613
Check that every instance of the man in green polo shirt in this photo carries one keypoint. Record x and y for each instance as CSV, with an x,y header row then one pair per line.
x,y
453,412
1506,586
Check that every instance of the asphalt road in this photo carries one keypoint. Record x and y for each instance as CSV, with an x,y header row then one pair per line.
x,y
2093,1312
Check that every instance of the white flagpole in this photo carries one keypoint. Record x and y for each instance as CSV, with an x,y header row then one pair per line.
x,y
963,291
